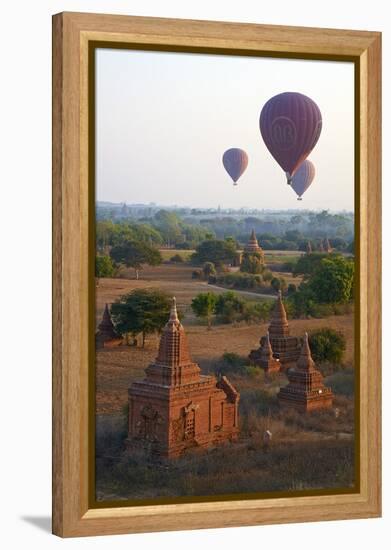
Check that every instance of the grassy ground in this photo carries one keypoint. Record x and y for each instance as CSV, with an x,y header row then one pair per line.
x,y
230,469
299,442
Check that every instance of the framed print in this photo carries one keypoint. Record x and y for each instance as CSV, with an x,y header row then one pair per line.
x,y
216,296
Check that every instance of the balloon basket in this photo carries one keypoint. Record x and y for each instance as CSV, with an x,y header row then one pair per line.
x,y
299,199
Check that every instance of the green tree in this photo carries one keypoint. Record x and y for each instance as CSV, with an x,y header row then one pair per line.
x,y
327,345
230,363
292,235
252,263
257,311
143,310
177,258
332,281
104,267
209,270
267,276
229,306
215,251
302,301
145,233
169,225
278,283
203,305
134,254
103,234
308,263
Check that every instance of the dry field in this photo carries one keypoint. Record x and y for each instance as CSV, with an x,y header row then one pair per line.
x,y
175,279
118,367
299,441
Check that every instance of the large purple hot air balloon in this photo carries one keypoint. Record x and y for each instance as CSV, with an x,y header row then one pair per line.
x,y
235,162
302,178
290,125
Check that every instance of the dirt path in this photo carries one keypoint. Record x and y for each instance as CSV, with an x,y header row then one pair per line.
x,y
253,295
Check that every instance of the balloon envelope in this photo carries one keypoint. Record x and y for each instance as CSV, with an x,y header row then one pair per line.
x,y
290,125
303,178
235,162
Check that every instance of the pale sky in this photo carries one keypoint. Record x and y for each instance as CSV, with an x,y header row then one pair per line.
x,y
164,121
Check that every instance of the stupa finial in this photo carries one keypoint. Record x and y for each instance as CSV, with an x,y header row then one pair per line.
x,y
305,360
173,311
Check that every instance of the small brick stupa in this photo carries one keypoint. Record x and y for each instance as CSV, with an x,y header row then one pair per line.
x,y
305,391
106,336
285,348
175,407
252,247
308,247
266,360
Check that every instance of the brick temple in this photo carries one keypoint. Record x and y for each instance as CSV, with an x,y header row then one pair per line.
x,y
252,247
266,360
286,348
106,335
175,407
306,390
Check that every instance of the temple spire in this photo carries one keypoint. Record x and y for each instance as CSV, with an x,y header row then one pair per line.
x,y
173,312
267,362
253,246
279,322
173,348
306,390
106,332
106,325
173,365
305,361
267,351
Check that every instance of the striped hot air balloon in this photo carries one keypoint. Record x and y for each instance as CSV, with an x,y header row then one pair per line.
x,y
235,162
290,125
303,178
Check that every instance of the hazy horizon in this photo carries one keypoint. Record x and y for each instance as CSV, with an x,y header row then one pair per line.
x,y
165,119
236,209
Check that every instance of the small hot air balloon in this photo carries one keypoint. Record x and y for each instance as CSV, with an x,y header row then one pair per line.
x,y
290,125
303,178
235,162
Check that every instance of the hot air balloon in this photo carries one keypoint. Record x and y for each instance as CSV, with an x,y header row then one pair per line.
x,y
290,125
302,178
235,162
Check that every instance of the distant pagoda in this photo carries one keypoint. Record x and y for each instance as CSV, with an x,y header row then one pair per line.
x,y
266,360
252,247
285,348
306,390
176,407
106,335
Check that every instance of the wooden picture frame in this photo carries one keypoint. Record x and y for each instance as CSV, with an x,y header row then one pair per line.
x,y
73,37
